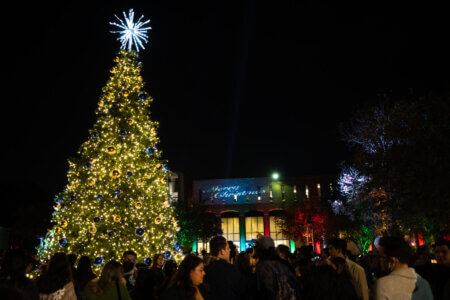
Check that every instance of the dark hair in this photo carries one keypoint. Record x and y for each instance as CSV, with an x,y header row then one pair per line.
x,y
338,244
243,263
396,247
129,252
283,249
112,271
182,280
233,249
307,251
154,260
83,273
264,253
13,269
170,268
443,242
216,244
57,275
143,288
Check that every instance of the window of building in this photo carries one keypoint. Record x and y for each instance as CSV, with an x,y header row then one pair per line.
x,y
202,246
230,229
254,225
276,232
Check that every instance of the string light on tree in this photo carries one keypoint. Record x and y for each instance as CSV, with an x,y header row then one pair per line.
x,y
116,198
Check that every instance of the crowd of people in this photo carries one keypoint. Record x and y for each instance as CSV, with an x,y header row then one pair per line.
x,y
263,271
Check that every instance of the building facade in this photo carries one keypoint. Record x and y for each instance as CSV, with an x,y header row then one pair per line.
x,y
247,207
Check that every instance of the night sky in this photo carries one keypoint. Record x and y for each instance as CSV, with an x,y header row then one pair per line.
x,y
241,88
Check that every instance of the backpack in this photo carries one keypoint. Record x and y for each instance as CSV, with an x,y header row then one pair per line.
x,y
286,288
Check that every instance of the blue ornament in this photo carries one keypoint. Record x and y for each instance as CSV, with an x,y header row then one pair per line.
x,y
123,133
73,198
99,197
58,200
167,255
142,97
63,242
129,174
111,233
147,261
99,261
149,151
139,232
117,192
96,134
176,247
97,219
89,165
165,168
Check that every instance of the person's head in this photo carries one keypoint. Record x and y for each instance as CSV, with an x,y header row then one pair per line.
x,y
337,247
233,250
157,261
84,266
220,248
189,276
57,274
264,248
170,268
394,253
442,252
307,251
129,256
243,263
111,272
283,252
203,252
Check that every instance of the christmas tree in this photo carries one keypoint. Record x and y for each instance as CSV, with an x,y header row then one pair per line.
x,y
117,197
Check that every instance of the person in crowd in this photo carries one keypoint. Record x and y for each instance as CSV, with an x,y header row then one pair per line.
x,y
221,276
307,252
402,282
144,286
284,254
273,278
169,270
109,286
72,258
188,281
345,285
337,247
129,259
247,277
304,271
438,275
56,282
13,278
233,252
156,269
83,274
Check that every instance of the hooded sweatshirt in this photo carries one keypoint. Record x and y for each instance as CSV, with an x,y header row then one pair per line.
x,y
400,285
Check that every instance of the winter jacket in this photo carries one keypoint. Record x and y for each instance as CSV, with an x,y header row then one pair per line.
x,y
223,279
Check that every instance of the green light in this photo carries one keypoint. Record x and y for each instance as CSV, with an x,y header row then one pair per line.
x,y
275,176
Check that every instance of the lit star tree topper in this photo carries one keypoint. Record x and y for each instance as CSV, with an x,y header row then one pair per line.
x,y
131,33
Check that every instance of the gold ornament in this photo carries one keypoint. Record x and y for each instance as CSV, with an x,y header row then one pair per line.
x,y
173,221
113,71
64,224
138,205
58,230
101,103
130,121
166,203
92,229
163,180
169,234
117,218
111,150
115,174
57,206
177,227
139,181
158,220
125,93
91,181
140,78
70,186
116,59
108,96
